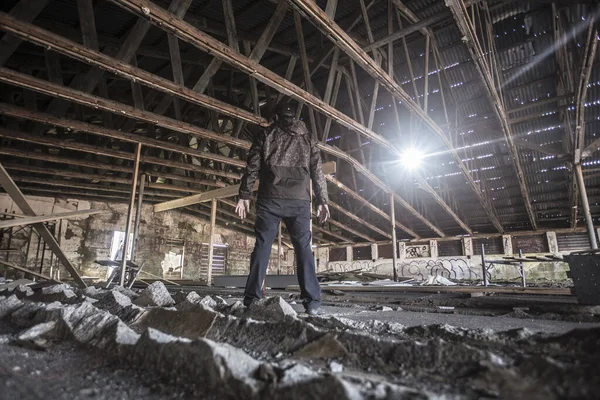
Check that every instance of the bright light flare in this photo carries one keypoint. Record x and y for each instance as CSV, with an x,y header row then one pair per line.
x,y
412,159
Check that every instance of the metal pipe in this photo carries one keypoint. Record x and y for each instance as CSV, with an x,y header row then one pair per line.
x,y
586,207
394,241
483,269
136,167
138,216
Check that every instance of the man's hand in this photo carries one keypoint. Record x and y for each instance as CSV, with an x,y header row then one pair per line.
x,y
243,208
323,213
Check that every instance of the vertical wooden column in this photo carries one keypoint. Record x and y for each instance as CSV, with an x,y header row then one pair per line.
x,y
213,219
138,216
394,241
467,245
349,254
586,208
433,249
374,251
507,245
136,167
401,246
552,242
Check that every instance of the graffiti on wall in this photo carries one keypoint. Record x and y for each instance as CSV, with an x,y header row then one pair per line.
x,y
419,251
451,268
344,266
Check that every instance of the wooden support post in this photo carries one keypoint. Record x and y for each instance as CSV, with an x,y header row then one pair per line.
x,y
394,253
374,251
586,207
136,166
507,245
17,196
401,246
349,253
552,242
467,245
213,220
426,77
138,216
433,249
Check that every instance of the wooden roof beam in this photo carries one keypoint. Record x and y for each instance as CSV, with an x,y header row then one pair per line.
x,y
166,21
26,10
19,112
465,25
87,55
318,17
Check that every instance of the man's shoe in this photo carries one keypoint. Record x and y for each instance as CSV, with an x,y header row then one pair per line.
x,y
313,312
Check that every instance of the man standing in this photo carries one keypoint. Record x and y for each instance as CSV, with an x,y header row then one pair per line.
x,y
285,159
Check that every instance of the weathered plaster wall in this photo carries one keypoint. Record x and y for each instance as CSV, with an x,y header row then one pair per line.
x,y
87,240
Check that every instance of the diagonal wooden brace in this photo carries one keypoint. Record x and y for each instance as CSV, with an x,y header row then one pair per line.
x,y
17,196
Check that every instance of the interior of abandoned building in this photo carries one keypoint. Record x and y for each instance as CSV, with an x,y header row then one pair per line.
x,y
460,148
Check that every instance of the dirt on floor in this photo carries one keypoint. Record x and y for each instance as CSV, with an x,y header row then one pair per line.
x,y
63,343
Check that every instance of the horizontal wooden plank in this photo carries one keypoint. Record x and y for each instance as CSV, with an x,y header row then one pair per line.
x,y
229,191
45,218
27,271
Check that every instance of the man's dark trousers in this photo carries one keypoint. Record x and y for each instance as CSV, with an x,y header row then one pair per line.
x,y
296,214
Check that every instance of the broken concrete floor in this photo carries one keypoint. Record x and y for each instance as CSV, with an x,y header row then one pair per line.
x,y
206,347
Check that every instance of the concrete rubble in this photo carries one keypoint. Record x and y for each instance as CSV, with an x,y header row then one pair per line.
x,y
155,295
268,352
19,287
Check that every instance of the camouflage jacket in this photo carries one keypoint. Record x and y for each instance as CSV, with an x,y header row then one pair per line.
x,y
285,159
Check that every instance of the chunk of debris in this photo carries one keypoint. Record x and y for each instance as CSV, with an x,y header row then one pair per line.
x,y
179,297
120,305
126,291
271,308
9,304
327,346
155,295
188,324
335,367
215,366
210,302
193,302
384,308
61,292
94,292
38,331
20,287
438,280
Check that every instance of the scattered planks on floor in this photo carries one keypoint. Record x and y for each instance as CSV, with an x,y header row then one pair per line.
x,y
28,271
444,289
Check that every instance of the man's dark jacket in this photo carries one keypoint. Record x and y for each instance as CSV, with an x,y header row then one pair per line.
x,y
285,159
